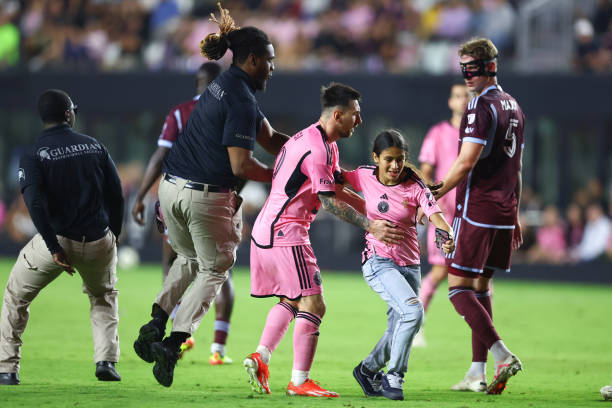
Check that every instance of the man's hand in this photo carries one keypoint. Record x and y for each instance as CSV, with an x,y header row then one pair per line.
x,y
60,258
435,188
517,236
138,212
385,232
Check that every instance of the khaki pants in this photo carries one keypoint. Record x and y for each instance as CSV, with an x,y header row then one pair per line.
x,y
204,228
96,263
180,275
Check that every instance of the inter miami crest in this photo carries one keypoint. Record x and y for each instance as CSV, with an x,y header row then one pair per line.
x,y
383,206
317,278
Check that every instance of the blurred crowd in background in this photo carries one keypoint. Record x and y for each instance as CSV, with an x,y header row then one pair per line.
x,y
330,35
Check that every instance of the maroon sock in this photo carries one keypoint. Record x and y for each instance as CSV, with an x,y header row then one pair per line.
x,y
476,316
479,349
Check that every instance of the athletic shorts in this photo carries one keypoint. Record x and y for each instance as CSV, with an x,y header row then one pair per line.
x,y
290,272
435,255
479,251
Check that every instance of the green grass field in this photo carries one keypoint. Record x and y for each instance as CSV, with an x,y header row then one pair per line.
x,y
561,332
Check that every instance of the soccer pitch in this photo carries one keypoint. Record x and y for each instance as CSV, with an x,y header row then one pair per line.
x,y
561,332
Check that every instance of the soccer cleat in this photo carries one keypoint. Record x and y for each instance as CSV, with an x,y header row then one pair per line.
x,y
371,383
258,373
508,368
472,383
186,346
310,388
606,392
393,386
149,334
419,339
165,361
217,359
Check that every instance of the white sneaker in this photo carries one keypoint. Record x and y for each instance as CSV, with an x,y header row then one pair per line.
x,y
471,383
506,369
419,339
606,392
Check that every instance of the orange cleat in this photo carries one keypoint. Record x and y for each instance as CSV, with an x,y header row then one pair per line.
x,y
258,373
186,346
310,388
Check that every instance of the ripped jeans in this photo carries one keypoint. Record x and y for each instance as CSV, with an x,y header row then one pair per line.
x,y
398,286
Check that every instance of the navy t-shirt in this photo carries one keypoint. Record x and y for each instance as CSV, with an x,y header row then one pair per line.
x,y
71,186
226,114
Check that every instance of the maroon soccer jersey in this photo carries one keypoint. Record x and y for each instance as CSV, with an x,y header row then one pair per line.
x,y
487,197
176,122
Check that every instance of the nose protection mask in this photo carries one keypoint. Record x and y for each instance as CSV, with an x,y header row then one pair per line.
x,y
481,71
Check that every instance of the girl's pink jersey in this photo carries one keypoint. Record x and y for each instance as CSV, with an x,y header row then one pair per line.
x,y
398,204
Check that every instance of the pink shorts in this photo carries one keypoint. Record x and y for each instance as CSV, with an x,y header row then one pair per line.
x,y
435,256
290,272
479,251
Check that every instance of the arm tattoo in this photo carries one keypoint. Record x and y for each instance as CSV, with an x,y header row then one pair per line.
x,y
344,211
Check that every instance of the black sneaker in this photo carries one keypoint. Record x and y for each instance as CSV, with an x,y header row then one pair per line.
x,y
165,361
392,386
370,382
149,333
9,379
106,371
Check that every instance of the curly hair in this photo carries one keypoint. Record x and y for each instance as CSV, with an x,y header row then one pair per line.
x,y
242,41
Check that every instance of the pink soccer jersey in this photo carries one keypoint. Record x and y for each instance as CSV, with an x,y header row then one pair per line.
x,y
304,168
397,204
175,122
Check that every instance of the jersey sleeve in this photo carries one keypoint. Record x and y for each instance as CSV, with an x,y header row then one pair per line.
x,y
477,124
427,202
29,172
241,125
171,129
428,149
352,177
320,170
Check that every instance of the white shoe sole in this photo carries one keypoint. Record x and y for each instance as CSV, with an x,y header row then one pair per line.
x,y
470,385
606,392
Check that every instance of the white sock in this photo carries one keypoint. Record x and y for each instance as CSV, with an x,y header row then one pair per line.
x,y
299,377
217,348
478,369
264,353
500,351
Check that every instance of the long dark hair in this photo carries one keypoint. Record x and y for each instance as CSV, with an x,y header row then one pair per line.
x,y
393,138
242,41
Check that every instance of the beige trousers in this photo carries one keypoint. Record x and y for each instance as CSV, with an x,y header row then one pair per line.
x,y
204,228
96,263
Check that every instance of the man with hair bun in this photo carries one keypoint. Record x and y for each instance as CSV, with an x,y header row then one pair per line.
x,y
487,174
198,197
73,193
283,263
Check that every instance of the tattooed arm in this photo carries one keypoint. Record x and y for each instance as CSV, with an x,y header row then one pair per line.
x,y
382,230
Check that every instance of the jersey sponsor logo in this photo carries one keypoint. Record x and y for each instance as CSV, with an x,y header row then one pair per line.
x,y
317,278
384,197
469,129
59,153
21,174
471,118
326,181
508,104
383,207
244,137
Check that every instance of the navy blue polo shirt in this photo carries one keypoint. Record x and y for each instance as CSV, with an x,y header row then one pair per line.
x,y
71,186
227,114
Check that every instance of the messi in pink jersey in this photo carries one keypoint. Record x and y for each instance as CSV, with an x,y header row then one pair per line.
x,y
487,174
393,191
282,261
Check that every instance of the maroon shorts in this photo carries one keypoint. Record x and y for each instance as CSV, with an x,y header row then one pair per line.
x,y
479,251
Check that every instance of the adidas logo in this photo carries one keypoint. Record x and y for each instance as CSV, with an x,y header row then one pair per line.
x,y
280,234
384,197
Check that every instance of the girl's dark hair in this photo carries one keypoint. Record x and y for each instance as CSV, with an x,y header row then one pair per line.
x,y
52,104
242,41
393,138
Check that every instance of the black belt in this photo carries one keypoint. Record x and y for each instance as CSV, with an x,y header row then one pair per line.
x,y
88,237
199,186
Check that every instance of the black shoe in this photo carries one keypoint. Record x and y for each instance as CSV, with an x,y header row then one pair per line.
x,y
392,386
165,361
105,371
370,382
149,333
9,379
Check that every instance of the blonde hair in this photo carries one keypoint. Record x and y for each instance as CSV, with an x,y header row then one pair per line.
x,y
479,48
215,45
